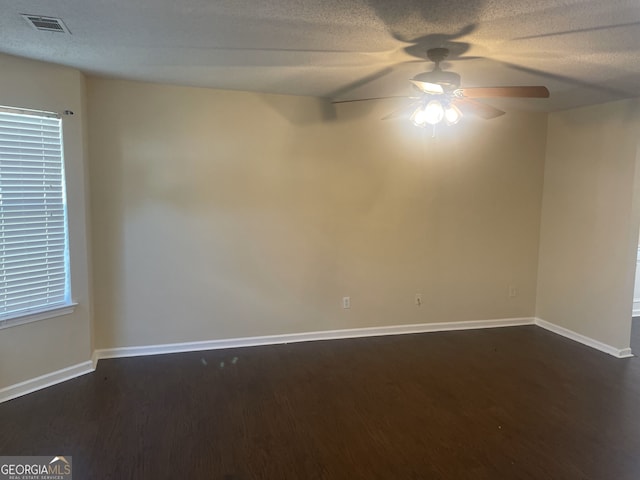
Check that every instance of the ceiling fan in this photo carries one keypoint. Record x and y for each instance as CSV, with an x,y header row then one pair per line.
x,y
442,99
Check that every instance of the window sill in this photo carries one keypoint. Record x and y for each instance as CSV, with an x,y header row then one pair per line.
x,y
39,315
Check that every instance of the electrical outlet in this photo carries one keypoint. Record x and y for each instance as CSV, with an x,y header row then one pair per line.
x,y
346,302
513,291
418,299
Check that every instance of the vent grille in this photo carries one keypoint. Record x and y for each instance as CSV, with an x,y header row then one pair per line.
x,y
46,24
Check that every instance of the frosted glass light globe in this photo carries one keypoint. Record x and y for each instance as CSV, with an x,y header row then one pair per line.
x,y
434,112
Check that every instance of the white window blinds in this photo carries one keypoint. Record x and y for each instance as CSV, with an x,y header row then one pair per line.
x,y
34,273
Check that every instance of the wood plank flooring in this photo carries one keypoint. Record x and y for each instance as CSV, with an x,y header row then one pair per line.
x,y
510,403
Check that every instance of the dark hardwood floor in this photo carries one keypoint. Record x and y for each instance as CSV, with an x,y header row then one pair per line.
x,y
510,403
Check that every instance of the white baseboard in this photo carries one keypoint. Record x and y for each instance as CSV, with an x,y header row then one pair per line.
x,y
590,342
68,373
307,337
38,383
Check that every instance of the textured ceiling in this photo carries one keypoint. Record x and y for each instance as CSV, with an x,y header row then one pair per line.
x,y
585,52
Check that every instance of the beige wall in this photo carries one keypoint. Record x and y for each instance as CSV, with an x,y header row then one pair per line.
x,y
34,349
589,231
226,214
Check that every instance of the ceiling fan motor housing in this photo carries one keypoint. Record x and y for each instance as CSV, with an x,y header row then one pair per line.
x,y
448,80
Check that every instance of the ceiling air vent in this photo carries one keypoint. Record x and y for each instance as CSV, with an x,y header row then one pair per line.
x,y
47,24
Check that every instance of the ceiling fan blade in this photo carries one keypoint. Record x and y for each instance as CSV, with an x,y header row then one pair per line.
x,y
488,92
400,111
345,89
427,87
615,93
373,98
468,106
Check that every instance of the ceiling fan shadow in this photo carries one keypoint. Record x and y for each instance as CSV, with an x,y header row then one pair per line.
x,y
409,19
420,45
578,30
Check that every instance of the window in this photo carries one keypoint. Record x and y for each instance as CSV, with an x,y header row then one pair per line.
x,y
34,259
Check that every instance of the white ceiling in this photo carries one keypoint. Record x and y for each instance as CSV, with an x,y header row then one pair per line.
x,y
585,52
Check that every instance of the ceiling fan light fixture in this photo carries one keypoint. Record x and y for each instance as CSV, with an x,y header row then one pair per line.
x,y
441,98
433,113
